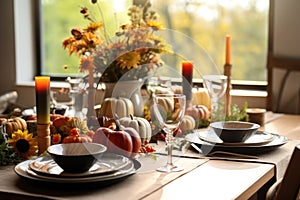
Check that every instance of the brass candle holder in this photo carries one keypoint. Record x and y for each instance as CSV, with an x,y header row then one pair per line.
x,y
43,137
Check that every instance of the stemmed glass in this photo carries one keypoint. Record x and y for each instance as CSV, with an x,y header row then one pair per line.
x,y
216,86
169,110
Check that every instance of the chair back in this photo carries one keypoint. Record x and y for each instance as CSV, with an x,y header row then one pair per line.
x,y
290,184
283,62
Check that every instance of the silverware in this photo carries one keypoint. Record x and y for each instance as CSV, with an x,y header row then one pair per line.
x,y
226,153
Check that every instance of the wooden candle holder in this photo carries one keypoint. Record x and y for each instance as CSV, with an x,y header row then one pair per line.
x,y
227,72
43,137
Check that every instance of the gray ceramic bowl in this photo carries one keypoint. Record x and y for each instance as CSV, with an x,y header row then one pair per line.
x,y
76,157
234,131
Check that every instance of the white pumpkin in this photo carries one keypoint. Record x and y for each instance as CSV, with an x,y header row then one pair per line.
x,y
188,123
121,106
140,124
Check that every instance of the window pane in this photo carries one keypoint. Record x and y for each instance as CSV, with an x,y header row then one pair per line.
x,y
206,21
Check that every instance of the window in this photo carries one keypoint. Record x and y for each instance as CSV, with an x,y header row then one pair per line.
x,y
207,22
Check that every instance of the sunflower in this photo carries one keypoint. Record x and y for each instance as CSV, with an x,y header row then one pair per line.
x,y
24,144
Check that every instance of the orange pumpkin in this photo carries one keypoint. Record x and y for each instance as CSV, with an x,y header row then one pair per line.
x,y
198,112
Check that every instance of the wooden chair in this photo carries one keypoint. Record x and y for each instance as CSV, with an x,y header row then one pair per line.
x,y
288,187
283,62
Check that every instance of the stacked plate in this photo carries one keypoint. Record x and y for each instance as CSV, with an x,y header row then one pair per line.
x,y
260,142
111,167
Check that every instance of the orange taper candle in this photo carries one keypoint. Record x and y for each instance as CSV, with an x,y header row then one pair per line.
x,y
42,88
227,54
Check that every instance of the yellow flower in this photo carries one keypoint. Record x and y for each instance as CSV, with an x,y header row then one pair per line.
x,y
130,53
24,144
129,60
147,114
93,27
154,25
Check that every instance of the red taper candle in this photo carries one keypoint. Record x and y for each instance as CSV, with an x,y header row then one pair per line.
x,y
187,79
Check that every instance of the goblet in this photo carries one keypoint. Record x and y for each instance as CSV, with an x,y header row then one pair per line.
x,y
216,86
169,110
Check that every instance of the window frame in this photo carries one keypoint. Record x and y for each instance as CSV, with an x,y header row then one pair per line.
x,y
39,54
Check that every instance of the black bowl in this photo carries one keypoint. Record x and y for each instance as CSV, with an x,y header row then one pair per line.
x,y
76,157
234,131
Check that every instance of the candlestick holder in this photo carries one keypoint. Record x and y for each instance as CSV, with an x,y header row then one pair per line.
x,y
43,137
227,72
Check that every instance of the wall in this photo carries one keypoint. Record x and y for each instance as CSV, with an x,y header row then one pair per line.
x,y
286,43
7,55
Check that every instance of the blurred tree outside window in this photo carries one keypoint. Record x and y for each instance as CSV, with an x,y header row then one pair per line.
x,y
205,21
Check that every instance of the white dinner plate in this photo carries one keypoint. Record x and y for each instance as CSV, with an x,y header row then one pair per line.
x,y
23,170
108,163
206,147
257,139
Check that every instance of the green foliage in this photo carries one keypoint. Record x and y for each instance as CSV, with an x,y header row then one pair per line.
x,y
7,153
236,114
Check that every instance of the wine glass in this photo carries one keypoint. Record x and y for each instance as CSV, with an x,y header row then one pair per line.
x,y
169,110
216,86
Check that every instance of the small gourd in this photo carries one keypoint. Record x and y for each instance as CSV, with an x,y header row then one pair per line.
x,y
121,106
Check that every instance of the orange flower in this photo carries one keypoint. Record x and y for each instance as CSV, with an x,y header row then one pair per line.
x,y
55,138
131,54
86,63
93,27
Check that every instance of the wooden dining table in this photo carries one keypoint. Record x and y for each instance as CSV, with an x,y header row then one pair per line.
x,y
202,178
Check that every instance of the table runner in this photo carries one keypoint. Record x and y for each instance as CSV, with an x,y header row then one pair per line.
x,y
136,186
279,157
